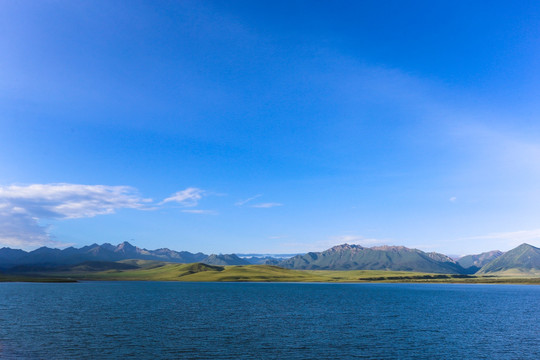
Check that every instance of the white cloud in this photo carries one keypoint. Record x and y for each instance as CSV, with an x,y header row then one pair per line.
x,y
243,202
266,205
188,197
22,207
67,201
202,212
453,199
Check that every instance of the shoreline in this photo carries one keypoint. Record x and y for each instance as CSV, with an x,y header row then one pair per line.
x,y
498,281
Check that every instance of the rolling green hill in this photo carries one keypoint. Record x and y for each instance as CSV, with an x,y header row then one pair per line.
x,y
151,270
521,261
204,272
160,271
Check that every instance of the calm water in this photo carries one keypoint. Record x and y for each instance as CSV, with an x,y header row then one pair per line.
x,y
159,320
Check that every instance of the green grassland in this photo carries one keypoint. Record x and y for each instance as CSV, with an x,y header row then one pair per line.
x,y
144,270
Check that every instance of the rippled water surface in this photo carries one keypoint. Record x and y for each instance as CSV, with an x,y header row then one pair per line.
x,y
161,320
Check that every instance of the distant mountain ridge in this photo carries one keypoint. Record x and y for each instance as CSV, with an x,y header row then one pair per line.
x,y
107,252
357,257
523,260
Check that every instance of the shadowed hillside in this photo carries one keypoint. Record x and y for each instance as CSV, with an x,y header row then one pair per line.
x,y
356,257
523,260
477,261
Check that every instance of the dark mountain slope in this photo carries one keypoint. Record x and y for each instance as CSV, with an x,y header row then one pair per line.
x,y
479,260
356,257
10,257
523,260
105,252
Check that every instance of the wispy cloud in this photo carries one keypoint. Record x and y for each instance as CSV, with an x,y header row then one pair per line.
x,y
22,207
188,197
68,201
244,202
198,211
509,239
266,205
494,140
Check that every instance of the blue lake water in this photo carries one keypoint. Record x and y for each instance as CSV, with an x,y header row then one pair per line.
x,y
166,320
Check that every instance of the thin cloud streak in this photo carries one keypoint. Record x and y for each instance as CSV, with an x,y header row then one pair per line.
x,y
188,197
266,205
244,202
202,212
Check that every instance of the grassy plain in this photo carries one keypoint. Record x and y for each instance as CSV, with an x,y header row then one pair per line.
x,y
143,270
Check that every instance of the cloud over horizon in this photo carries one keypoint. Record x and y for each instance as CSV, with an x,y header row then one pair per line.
x,y
325,244
68,201
510,239
22,207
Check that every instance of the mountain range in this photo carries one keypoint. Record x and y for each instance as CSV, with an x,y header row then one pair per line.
x,y
523,260
45,256
356,257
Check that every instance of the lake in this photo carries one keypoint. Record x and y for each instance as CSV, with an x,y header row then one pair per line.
x,y
170,320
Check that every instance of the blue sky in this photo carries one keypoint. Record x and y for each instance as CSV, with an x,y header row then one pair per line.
x,y
268,126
